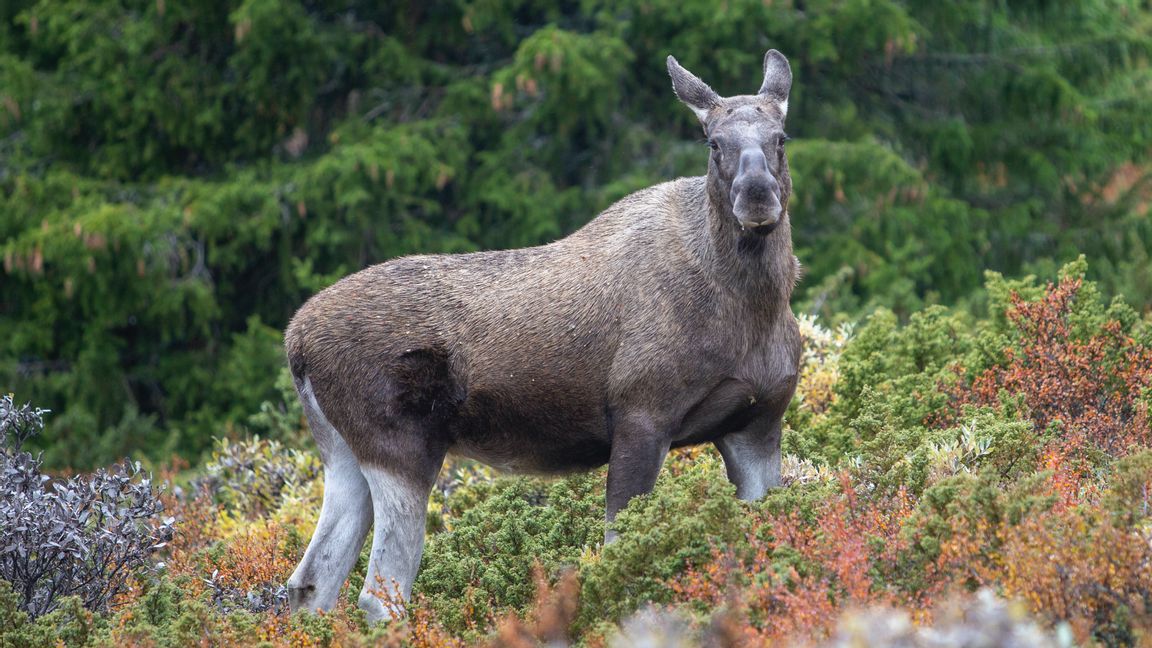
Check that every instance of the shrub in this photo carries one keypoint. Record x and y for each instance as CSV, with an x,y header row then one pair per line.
x,y
250,570
796,568
83,536
680,523
1129,494
1071,565
549,621
884,379
461,485
250,477
483,565
819,368
1078,372
245,525
68,625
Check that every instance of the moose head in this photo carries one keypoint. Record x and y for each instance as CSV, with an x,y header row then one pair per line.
x,y
748,179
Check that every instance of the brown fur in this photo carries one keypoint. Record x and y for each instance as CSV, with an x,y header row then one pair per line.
x,y
520,357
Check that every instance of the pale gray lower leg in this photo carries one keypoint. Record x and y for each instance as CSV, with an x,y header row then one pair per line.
x,y
400,505
345,515
752,458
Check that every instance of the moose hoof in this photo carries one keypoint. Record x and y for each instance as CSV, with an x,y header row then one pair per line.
x,y
301,597
377,610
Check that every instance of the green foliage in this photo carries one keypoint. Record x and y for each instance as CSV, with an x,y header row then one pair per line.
x,y
167,617
250,478
1129,495
678,524
483,565
69,623
178,179
889,376
282,418
968,497
900,241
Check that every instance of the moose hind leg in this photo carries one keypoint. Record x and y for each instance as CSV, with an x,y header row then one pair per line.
x,y
752,458
400,507
345,515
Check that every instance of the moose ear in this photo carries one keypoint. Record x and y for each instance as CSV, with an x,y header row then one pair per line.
x,y
777,79
691,90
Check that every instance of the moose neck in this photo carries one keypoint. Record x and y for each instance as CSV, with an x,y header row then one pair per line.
x,y
760,269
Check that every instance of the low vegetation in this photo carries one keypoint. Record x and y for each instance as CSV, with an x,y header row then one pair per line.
x,y
82,537
980,477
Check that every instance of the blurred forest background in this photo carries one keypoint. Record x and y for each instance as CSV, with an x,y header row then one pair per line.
x,y
177,178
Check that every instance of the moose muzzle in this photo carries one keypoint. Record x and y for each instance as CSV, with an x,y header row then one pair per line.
x,y
755,193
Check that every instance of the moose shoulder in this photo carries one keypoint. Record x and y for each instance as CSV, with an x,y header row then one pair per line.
x,y
663,322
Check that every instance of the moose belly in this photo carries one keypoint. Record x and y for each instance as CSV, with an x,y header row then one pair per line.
x,y
548,434
537,459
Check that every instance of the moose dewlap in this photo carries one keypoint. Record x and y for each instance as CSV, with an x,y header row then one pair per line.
x,y
663,322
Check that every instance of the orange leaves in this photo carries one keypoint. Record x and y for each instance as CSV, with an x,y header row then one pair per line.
x,y
1074,561
798,574
968,556
255,557
1068,483
1078,566
419,629
1082,385
1082,381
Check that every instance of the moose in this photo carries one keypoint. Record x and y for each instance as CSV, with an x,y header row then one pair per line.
x,y
663,322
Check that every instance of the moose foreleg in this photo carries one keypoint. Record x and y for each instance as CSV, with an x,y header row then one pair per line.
x,y
638,450
752,457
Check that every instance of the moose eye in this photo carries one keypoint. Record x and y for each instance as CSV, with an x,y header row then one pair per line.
x,y
783,138
714,145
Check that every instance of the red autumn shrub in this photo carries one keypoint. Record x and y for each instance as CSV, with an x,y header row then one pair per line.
x,y
1089,387
798,575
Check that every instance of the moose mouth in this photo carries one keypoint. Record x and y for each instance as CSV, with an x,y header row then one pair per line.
x,y
762,230
760,220
756,206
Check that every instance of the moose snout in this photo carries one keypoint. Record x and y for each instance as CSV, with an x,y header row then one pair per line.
x,y
755,193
